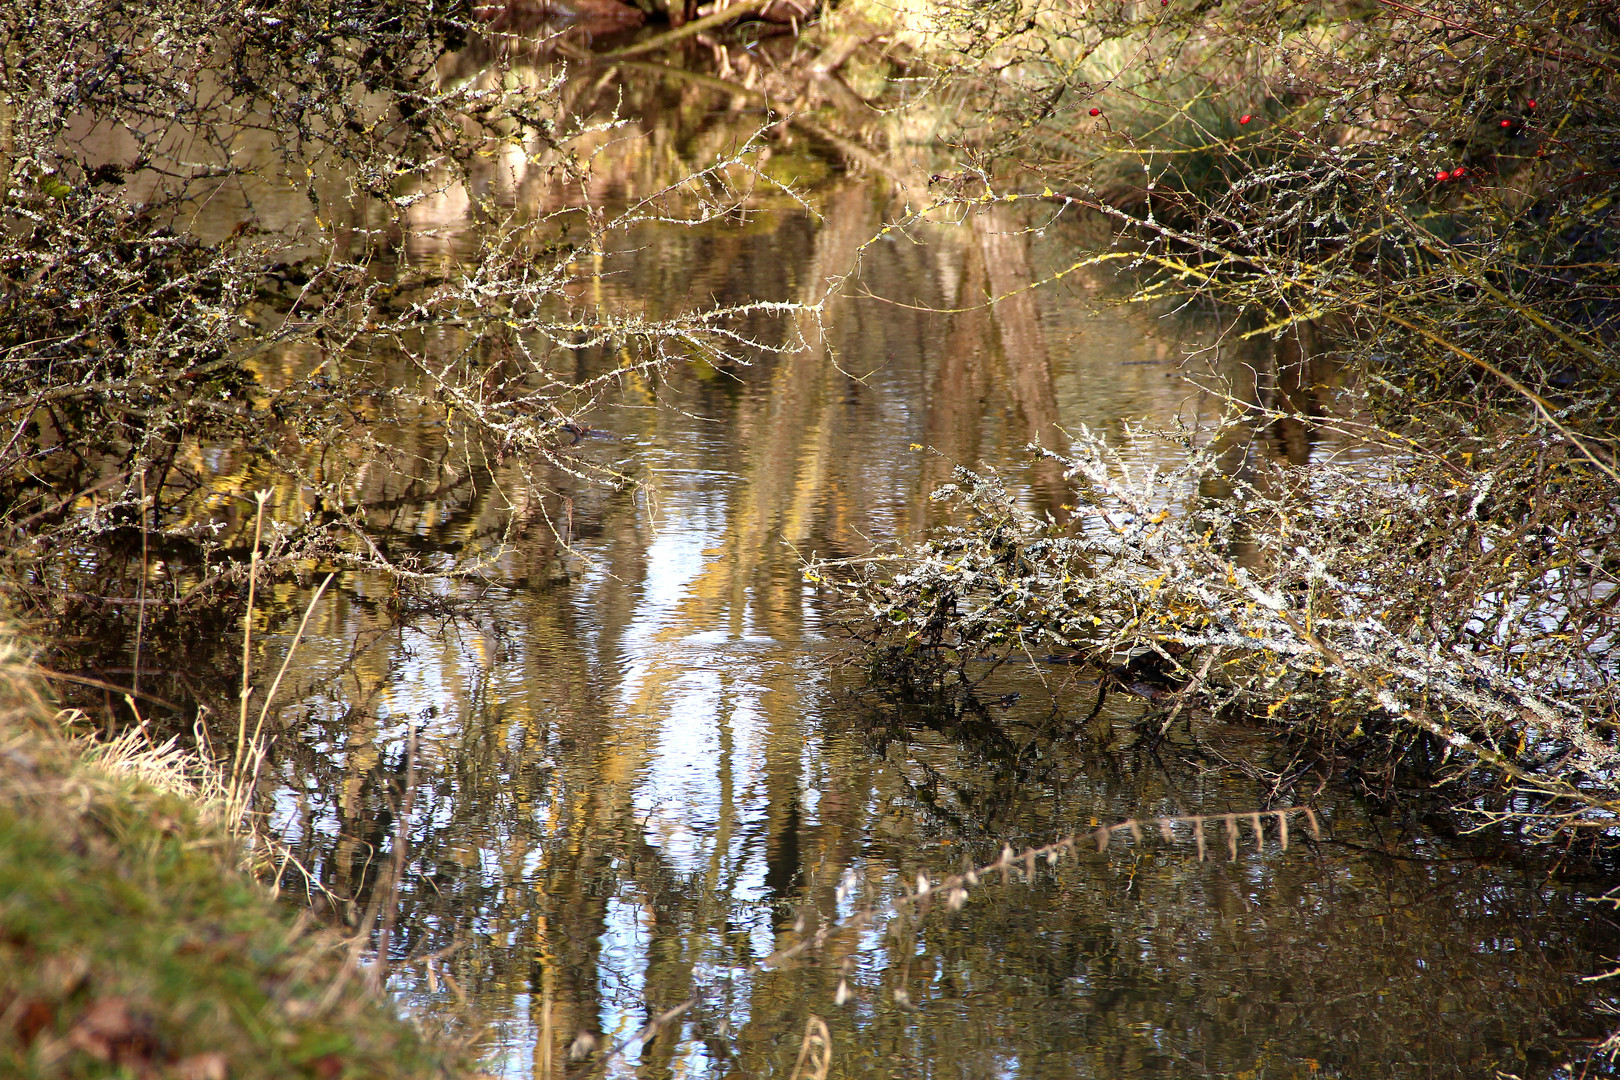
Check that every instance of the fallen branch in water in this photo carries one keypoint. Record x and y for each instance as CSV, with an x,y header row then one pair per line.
x,y
722,17
955,889
1419,609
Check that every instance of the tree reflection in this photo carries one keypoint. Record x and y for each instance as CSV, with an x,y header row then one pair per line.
x,y
636,787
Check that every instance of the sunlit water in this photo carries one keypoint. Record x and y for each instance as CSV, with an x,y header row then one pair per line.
x,y
642,763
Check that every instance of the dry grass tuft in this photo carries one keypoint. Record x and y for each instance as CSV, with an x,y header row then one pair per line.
x,y
131,943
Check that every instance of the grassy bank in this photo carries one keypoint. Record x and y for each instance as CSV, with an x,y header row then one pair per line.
x,y
133,945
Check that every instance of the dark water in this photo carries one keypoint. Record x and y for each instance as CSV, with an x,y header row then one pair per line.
x,y
640,764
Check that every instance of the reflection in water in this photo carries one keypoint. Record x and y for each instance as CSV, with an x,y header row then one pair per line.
x,y
635,786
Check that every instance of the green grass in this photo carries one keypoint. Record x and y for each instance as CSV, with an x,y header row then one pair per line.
x,y
133,945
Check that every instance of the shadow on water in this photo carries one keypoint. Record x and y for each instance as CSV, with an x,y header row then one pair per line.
x,y
642,768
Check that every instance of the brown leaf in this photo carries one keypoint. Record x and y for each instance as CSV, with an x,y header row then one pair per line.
x,y
108,1031
209,1066
327,1067
34,1017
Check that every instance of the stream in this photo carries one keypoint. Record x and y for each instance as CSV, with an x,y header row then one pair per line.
x,y
638,761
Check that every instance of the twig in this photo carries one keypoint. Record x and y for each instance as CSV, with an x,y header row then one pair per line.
x,y
379,968
696,26
140,596
247,644
101,684
264,710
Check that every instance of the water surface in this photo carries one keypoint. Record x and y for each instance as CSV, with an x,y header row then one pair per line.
x,y
642,765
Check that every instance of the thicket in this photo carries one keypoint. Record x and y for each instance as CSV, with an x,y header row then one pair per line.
x,y
1422,202
208,288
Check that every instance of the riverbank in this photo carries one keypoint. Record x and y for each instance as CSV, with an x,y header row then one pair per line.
x,y
132,943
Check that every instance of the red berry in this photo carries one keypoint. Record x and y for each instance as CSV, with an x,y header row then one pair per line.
x,y
1164,3
1245,118
1096,112
1530,104
1458,173
1507,123
1442,176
